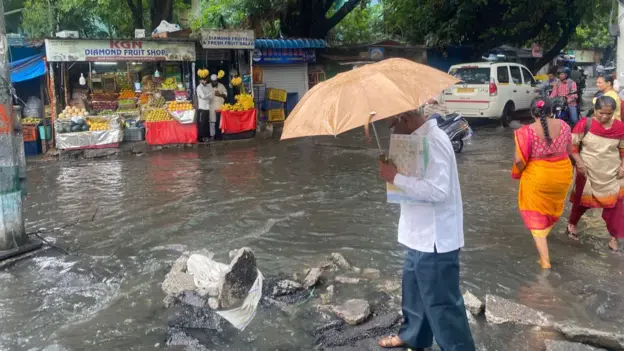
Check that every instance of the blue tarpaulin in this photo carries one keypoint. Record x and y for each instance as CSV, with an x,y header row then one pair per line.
x,y
27,68
290,44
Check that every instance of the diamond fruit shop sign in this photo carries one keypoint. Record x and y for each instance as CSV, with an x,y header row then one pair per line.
x,y
227,39
118,50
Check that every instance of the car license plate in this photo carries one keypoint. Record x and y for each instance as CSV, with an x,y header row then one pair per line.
x,y
465,90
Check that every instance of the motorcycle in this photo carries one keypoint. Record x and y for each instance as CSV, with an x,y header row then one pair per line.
x,y
457,129
560,108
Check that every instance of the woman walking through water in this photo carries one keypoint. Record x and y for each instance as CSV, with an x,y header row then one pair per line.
x,y
598,151
542,164
605,87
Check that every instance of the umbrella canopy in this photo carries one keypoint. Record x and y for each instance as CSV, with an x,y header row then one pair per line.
x,y
366,94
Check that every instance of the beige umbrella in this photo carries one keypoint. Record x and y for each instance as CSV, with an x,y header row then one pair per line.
x,y
364,95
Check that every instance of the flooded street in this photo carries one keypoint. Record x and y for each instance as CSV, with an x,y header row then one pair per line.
x,y
293,203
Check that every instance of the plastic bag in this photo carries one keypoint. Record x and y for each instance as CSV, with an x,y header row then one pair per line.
x,y
208,275
241,317
33,107
165,26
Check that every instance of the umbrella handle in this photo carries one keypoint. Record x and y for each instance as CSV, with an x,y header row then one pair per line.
x,y
377,139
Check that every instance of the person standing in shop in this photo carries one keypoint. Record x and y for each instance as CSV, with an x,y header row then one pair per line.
x,y
204,97
219,94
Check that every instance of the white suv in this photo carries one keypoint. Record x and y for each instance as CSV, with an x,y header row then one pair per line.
x,y
491,89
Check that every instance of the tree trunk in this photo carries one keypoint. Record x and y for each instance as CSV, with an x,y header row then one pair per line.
x,y
573,21
307,18
137,13
161,10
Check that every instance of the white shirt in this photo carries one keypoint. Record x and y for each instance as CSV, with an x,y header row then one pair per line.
x,y
439,222
217,101
204,95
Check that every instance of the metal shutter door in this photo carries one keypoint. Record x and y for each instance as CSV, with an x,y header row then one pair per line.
x,y
292,78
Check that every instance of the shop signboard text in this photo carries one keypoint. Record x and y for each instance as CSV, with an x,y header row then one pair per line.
x,y
284,56
118,50
227,39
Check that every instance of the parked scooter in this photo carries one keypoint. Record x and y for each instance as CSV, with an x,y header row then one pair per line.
x,y
457,129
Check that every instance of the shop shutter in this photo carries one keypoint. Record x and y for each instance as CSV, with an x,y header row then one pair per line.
x,y
292,78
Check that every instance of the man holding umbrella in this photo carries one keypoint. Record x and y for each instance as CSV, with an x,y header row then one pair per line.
x,y
433,234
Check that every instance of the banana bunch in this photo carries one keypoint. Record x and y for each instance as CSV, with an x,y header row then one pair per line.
x,y
236,81
203,73
221,74
169,83
244,102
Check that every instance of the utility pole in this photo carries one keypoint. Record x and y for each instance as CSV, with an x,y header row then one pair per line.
x,y
619,53
13,238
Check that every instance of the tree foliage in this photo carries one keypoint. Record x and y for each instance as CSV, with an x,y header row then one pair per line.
x,y
487,24
362,25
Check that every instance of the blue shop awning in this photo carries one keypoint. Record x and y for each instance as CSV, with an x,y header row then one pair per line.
x,y
290,44
27,68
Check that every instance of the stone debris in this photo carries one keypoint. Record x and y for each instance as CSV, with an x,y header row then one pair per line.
x,y
338,334
473,303
558,345
177,282
340,261
312,278
598,338
353,312
328,296
390,286
499,310
239,279
356,270
371,273
346,280
286,287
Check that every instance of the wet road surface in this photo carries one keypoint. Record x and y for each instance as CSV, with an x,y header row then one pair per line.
x,y
293,203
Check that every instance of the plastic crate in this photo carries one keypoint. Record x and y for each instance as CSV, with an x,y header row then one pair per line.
x,y
276,94
291,101
134,134
32,148
29,132
276,115
273,105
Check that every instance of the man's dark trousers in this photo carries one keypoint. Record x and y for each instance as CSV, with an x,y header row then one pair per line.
x,y
432,302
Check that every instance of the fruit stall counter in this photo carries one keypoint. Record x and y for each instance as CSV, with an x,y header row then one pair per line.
x,y
88,132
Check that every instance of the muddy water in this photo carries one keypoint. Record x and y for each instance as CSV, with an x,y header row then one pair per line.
x,y
293,203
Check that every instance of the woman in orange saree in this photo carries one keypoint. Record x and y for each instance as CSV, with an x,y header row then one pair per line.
x,y
542,165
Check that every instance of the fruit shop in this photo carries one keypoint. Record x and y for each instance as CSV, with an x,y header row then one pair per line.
x,y
229,53
105,92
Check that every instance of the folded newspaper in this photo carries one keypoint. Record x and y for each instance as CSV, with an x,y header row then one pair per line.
x,y
410,154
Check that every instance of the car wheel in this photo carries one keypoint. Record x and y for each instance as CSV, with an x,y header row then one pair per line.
x,y
458,146
508,113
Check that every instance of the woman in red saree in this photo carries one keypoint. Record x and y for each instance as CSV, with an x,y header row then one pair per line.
x,y
598,152
542,165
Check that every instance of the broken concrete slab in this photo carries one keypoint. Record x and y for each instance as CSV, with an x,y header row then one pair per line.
x,y
240,277
286,287
177,282
559,345
473,303
340,261
346,280
353,312
598,338
371,273
312,278
499,310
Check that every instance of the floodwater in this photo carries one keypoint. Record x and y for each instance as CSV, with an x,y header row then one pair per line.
x,y
293,203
